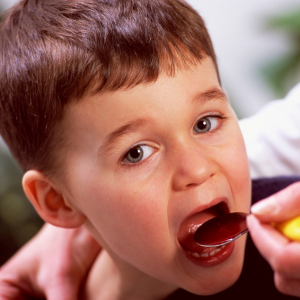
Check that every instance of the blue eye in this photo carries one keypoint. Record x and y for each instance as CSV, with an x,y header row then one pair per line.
x,y
206,124
137,154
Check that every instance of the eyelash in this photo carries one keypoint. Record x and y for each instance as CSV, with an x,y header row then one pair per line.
x,y
139,164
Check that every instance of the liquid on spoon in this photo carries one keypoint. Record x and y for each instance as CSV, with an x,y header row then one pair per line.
x,y
221,230
224,229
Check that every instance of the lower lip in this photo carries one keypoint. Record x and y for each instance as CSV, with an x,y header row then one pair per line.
x,y
213,260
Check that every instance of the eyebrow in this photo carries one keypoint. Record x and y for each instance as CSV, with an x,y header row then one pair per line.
x,y
214,94
114,136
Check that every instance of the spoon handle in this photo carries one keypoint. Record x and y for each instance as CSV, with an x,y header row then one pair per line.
x,y
226,228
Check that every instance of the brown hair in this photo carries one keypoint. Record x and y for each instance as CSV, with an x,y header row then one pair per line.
x,y
52,52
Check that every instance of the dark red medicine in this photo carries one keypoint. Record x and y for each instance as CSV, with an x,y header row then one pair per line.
x,y
221,229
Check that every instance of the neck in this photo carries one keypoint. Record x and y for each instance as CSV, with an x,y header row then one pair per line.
x,y
113,279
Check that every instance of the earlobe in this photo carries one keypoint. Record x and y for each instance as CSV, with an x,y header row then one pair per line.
x,y
49,201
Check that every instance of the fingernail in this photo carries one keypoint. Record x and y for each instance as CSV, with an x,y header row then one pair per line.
x,y
264,207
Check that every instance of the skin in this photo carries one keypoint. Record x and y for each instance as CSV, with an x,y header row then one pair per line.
x,y
68,253
281,253
135,210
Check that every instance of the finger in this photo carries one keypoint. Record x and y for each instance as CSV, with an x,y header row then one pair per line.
x,y
14,287
86,249
9,292
282,254
65,290
15,276
288,286
72,263
279,207
56,272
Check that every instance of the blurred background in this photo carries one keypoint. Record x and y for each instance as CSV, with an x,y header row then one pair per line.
x,y
258,48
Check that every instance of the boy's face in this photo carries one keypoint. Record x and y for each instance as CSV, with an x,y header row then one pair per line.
x,y
149,164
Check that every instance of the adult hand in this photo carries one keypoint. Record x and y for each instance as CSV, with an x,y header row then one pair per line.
x,y
282,254
52,265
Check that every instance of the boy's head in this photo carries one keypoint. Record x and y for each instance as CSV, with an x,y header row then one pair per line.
x,y
55,52
116,112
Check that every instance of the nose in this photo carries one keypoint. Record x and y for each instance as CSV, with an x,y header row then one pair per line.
x,y
192,166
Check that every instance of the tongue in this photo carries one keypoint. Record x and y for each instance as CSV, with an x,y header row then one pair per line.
x,y
189,227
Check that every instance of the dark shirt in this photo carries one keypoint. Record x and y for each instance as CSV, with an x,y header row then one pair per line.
x,y
256,281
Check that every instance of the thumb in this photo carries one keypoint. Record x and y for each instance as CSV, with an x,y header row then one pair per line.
x,y
63,289
279,207
69,264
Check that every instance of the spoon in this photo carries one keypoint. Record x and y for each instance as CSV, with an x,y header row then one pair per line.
x,y
224,229
221,230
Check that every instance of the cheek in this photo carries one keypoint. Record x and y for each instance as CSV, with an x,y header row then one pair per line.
x,y
238,165
238,173
131,218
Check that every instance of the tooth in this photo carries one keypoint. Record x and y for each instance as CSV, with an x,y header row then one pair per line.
x,y
204,255
195,254
214,252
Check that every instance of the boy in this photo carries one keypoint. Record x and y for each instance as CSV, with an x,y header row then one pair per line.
x,y
115,112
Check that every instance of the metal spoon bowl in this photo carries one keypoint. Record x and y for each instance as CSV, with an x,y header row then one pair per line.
x,y
221,230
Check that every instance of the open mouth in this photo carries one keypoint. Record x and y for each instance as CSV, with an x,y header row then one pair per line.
x,y
204,256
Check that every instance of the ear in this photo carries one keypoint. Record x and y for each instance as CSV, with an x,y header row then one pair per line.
x,y
49,202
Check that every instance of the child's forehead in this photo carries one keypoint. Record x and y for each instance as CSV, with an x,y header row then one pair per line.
x,y
183,73
197,83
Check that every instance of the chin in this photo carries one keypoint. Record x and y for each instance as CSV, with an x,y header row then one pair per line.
x,y
215,286
222,276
